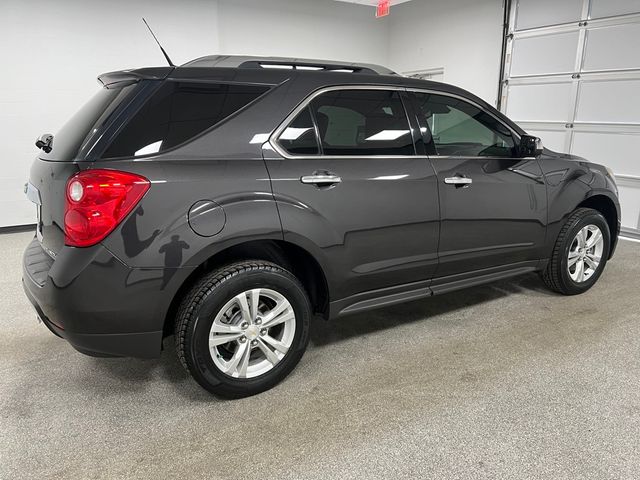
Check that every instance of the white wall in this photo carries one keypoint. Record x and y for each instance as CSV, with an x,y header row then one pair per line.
x,y
52,51
320,29
463,36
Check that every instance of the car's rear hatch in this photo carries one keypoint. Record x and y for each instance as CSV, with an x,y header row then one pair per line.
x,y
76,144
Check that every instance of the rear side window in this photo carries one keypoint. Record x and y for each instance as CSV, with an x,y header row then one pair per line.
x,y
177,112
362,122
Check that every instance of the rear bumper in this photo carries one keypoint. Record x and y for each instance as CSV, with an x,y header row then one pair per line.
x,y
143,345
95,302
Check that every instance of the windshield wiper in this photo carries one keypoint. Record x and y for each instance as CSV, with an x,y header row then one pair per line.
x,y
44,142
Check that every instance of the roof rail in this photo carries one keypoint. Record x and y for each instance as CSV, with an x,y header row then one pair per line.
x,y
286,63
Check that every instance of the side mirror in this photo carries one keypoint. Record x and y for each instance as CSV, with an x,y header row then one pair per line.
x,y
530,146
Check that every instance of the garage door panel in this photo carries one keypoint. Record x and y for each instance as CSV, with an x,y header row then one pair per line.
x,y
566,70
552,139
538,13
610,8
530,55
548,102
612,48
630,205
609,101
619,151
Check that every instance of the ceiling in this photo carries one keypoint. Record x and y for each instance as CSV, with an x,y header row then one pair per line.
x,y
372,3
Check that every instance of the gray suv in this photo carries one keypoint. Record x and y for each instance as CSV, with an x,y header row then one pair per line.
x,y
230,200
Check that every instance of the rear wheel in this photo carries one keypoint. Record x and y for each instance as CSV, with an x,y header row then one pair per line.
x,y
580,253
243,328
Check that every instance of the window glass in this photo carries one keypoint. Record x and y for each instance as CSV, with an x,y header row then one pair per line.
x,y
362,122
177,112
299,138
461,129
73,136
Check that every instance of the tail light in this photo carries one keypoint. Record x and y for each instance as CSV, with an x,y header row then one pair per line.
x,y
96,201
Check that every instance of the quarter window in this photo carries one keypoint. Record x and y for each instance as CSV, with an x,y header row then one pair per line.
x,y
299,138
461,129
362,122
177,112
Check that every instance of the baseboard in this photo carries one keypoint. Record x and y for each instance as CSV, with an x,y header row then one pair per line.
x,y
630,233
18,228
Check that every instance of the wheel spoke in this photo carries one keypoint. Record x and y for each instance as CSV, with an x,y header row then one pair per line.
x,y
573,258
580,271
590,262
244,307
581,238
594,257
222,328
244,362
594,239
215,340
254,296
285,317
232,365
276,314
276,344
270,354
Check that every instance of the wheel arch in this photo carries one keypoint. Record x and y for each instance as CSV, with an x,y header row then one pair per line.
x,y
288,255
607,207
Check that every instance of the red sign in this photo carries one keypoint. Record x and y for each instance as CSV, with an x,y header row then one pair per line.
x,y
382,10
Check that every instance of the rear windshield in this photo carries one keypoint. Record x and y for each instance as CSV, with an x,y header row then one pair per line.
x,y
178,111
78,130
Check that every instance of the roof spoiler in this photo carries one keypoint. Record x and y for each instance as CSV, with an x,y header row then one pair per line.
x,y
127,77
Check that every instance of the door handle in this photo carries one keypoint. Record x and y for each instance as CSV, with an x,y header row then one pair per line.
x,y
458,181
321,179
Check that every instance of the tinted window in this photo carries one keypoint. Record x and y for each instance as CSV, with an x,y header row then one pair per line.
x,y
461,129
177,112
362,122
299,138
79,128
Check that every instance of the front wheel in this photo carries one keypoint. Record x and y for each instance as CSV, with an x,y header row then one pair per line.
x,y
243,328
580,253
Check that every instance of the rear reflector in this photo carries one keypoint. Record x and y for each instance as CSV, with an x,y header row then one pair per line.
x,y
96,201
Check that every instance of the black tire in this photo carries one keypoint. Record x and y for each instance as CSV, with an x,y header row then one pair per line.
x,y
202,303
556,275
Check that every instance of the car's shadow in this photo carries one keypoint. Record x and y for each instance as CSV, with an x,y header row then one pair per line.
x,y
132,374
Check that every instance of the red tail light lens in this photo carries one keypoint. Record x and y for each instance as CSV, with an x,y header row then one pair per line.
x,y
96,201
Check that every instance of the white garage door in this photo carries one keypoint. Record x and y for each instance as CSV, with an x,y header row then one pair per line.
x,y
572,77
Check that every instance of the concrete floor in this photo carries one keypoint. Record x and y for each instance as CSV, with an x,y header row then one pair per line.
x,y
500,381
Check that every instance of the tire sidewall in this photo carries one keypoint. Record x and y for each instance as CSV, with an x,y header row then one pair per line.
x,y
593,218
199,358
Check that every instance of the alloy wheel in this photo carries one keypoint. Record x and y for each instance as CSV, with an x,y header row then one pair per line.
x,y
585,253
252,333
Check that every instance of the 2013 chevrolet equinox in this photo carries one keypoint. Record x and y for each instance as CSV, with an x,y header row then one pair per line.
x,y
231,199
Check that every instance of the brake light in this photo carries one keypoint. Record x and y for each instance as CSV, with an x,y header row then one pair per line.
x,y
96,201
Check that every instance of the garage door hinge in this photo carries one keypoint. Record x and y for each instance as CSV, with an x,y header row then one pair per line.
x,y
582,24
575,75
568,125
